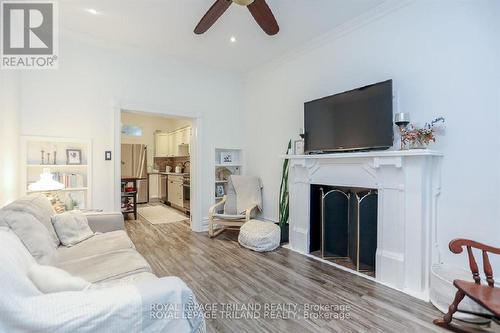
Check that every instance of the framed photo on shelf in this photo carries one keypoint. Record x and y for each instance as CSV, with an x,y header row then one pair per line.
x,y
73,156
298,147
219,191
226,157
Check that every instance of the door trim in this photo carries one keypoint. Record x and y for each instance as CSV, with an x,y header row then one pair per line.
x,y
196,151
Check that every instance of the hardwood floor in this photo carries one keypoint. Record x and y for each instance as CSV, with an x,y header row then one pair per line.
x,y
220,272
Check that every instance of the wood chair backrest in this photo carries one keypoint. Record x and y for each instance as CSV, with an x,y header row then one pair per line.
x,y
456,246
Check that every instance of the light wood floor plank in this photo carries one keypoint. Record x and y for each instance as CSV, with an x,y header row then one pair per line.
x,y
220,271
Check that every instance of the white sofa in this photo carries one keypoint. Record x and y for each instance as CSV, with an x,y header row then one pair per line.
x,y
125,296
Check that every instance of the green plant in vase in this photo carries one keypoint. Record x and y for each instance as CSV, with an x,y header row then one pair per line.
x,y
283,200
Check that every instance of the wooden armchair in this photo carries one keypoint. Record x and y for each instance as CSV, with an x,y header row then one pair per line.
x,y
231,217
487,296
218,223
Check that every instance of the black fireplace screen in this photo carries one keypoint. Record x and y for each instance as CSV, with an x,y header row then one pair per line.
x,y
344,224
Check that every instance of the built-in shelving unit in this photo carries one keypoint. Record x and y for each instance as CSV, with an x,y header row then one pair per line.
x,y
76,177
227,161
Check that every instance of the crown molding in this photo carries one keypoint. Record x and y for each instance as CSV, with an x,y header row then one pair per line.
x,y
385,8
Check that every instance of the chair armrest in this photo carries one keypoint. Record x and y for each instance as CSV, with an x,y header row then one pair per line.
x,y
212,209
456,246
248,213
105,222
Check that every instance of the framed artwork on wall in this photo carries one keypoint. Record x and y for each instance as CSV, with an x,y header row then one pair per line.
x,y
226,157
73,156
298,147
220,191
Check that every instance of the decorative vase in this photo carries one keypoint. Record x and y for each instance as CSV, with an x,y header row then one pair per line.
x,y
417,145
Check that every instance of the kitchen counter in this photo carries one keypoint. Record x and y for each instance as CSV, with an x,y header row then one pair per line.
x,y
169,173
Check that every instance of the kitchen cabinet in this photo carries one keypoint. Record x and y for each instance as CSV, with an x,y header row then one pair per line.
x,y
167,144
161,145
172,146
175,190
185,136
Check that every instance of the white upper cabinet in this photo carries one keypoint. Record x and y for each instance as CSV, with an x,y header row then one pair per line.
x,y
172,149
185,136
161,145
167,144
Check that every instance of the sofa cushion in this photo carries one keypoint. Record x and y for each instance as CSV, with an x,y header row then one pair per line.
x,y
109,266
40,207
50,279
33,235
129,279
71,227
96,245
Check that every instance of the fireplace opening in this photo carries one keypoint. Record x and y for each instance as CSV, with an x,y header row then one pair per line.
x,y
343,226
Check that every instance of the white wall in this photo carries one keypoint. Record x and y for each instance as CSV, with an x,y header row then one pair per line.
x,y
150,124
444,59
79,100
9,136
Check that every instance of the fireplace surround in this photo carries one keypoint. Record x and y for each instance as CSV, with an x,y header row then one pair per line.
x,y
408,187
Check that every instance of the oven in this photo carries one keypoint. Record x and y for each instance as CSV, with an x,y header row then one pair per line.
x,y
186,191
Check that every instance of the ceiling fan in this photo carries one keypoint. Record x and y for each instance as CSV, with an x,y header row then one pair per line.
x,y
258,8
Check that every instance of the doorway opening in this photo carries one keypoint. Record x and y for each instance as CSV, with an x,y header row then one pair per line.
x,y
156,153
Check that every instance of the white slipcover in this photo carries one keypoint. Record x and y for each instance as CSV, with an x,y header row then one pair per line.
x,y
122,308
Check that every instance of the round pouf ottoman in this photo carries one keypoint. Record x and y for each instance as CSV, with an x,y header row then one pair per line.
x,y
259,236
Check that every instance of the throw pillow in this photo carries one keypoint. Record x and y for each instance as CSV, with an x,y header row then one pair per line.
x,y
34,236
49,279
40,207
72,227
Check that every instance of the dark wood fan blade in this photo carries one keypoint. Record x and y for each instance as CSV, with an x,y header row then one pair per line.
x,y
213,14
264,17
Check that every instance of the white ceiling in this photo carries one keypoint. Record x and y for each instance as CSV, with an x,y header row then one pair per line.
x,y
165,27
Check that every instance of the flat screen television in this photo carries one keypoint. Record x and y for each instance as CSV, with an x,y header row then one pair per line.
x,y
360,119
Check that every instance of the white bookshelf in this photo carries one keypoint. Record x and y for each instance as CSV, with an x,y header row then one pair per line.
x,y
78,177
233,167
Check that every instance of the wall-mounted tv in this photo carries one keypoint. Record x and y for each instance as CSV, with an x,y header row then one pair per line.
x,y
360,119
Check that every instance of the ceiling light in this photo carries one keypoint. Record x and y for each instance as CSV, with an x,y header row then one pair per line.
x,y
92,11
232,39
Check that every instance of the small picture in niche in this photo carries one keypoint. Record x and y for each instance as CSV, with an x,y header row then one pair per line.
x,y
298,147
226,157
219,191
73,156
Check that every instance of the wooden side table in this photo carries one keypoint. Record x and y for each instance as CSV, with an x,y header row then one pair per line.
x,y
128,206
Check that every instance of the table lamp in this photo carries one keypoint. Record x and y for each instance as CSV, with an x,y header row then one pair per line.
x,y
47,185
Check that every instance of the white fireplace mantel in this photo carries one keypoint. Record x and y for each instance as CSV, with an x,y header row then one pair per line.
x,y
408,184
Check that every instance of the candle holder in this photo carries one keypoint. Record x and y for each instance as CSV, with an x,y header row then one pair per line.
x,y
402,119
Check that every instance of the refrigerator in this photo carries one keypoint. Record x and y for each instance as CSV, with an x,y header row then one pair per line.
x,y
134,165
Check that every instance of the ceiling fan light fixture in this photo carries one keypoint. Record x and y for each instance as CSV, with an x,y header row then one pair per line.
x,y
243,2
258,8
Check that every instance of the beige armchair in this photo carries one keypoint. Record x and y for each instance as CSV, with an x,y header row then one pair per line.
x,y
236,209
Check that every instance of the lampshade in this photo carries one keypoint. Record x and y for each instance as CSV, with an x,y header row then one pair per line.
x,y
46,183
